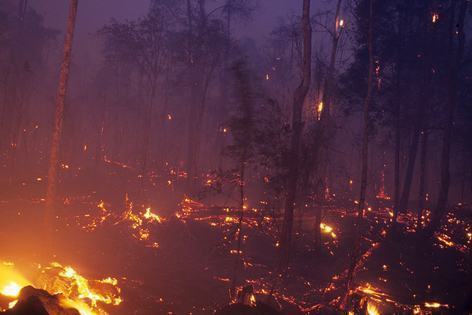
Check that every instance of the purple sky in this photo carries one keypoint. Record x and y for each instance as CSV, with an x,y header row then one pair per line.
x,y
95,13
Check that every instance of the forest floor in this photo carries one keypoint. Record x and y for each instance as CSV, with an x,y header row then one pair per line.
x,y
184,263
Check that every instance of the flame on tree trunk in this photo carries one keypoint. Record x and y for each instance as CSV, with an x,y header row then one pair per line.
x,y
297,128
59,117
328,82
355,254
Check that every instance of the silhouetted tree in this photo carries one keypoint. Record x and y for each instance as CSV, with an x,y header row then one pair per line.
x,y
297,129
59,117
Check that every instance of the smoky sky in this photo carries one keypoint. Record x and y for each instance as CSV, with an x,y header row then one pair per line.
x,y
93,14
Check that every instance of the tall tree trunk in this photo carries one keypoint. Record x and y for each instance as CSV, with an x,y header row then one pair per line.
x,y
297,128
59,117
99,149
328,82
148,117
454,68
199,119
410,167
355,254
422,187
396,197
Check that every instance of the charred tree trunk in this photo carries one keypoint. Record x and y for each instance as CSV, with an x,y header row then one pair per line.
x,y
243,137
197,123
297,128
355,254
454,68
410,167
99,149
318,218
59,117
422,187
148,115
396,197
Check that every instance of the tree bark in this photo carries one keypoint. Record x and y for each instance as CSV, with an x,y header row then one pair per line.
x,y
59,117
297,128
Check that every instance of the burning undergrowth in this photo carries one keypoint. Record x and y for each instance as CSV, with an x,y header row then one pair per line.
x,y
182,261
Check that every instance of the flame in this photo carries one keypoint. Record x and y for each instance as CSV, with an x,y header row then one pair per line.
x,y
12,304
152,217
435,305
435,17
11,281
327,230
12,289
319,110
74,290
83,288
372,309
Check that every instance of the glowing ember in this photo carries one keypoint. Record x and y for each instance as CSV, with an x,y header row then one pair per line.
x,y
435,305
327,230
152,217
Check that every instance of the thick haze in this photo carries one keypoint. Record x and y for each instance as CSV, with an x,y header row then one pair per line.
x,y
95,13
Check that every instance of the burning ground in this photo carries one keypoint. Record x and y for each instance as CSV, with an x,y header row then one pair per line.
x,y
114,254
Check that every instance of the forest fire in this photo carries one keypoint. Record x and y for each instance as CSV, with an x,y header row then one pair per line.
x,y
235,157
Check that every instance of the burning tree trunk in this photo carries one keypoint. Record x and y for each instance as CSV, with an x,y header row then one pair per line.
x,y
456,56
325,112
59,116
328,82
297,128
355,254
